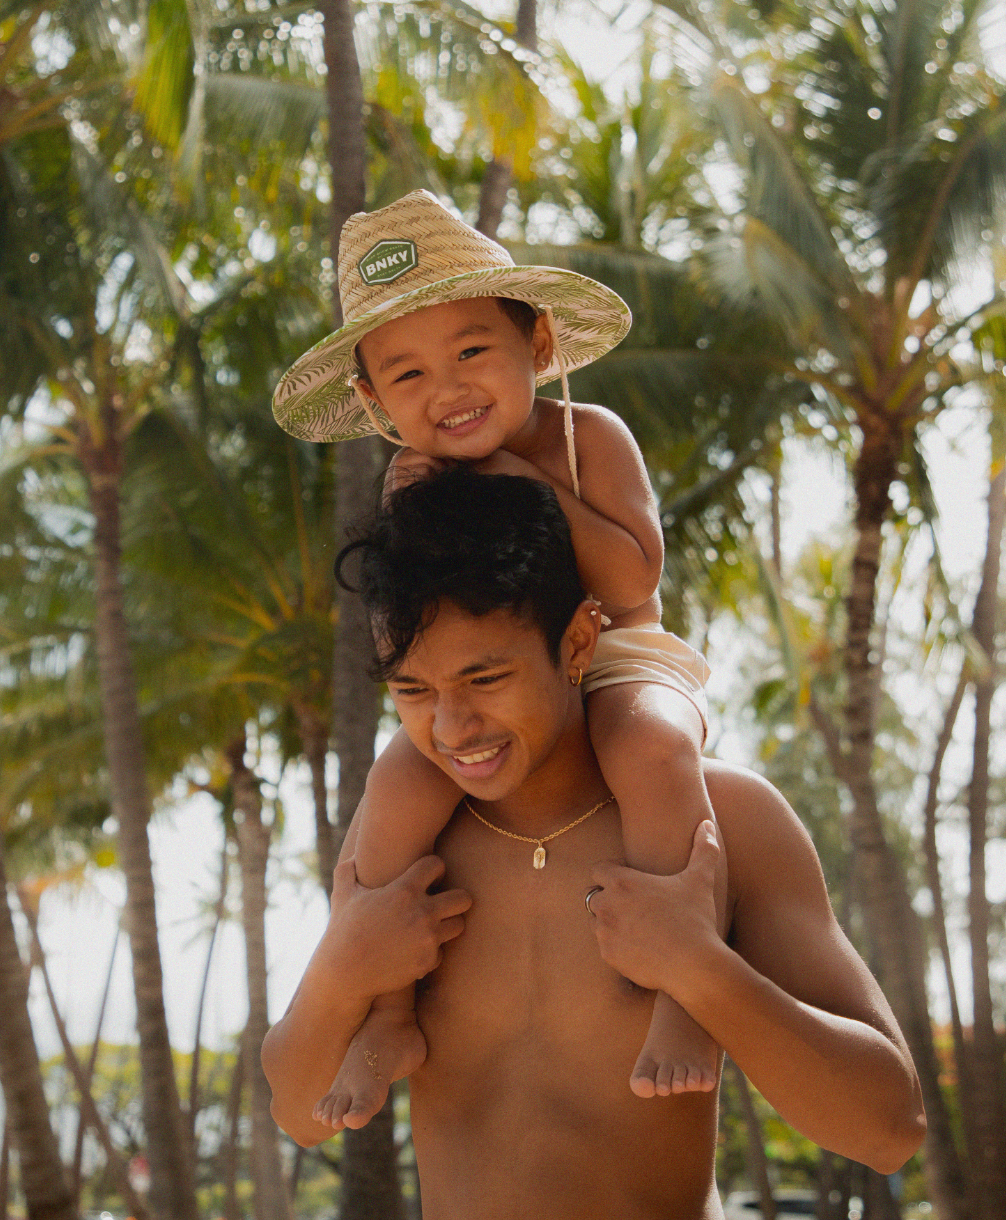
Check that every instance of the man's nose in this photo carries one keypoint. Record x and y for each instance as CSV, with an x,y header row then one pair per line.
x,y
454,721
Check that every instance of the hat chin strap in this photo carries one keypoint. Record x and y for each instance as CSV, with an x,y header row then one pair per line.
x,y
567,410
364,402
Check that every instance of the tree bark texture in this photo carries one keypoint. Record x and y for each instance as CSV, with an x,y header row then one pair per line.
x,y
229,1153
496,180
44,1183
988,1157
370,1189
756,1160
172,1190
92,1059
218,915
962,1052
369,1170
881,885
314,739
270,1199
89,1112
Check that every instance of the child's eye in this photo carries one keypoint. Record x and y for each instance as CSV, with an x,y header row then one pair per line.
x,y
408,376
469,352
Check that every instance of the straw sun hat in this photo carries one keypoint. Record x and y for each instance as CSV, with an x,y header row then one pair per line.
x,y
411,254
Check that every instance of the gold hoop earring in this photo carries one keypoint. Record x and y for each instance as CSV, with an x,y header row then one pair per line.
x,y
579,677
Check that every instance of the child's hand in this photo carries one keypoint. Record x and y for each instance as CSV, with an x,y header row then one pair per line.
x,y
409,466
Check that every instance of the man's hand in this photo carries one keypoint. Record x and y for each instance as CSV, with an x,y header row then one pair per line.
x,y
384,939
647,925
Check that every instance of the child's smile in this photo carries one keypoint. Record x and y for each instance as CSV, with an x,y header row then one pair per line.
x,y
457,379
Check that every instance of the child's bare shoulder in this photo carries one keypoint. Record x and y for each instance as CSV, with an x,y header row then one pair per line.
x,y
599,432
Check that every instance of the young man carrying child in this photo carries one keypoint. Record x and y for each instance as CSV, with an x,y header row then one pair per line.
x,y
446,340
520,1110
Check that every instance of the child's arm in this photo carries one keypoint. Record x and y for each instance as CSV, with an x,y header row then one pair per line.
x,y
615,524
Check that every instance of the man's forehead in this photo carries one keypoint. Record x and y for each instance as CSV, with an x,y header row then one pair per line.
x,y
456,643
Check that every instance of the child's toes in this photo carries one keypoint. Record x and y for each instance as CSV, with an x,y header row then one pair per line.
x,y
643,1077
663,1084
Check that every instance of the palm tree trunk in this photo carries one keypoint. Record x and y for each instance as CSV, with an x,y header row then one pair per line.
x,y
988,1165
270,1199
218,915
756,1159
92,1059
881,885
314,739
172,1187
370,1177
27,1128
496,178
498,173
5,1171
229,1168
89,1110
962,1054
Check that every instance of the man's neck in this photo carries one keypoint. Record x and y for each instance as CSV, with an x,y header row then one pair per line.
x,y
567,783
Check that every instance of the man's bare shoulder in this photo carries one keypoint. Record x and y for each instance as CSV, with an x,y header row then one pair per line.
x,y
770,855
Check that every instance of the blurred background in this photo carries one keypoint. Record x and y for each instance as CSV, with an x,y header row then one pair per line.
x,y
803,205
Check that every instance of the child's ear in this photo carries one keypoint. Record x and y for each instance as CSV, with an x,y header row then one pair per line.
x,y
541,342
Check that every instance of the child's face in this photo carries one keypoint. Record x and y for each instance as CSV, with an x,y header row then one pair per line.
x,y
457,380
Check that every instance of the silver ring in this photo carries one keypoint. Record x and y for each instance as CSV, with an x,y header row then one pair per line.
x,y
590,894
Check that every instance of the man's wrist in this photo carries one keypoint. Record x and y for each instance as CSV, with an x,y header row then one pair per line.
x,y
696,975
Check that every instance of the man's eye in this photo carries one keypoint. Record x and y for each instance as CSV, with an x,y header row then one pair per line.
x,y
409,690
469,352
488,679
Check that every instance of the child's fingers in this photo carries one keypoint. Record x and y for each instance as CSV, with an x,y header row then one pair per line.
x,y
424,872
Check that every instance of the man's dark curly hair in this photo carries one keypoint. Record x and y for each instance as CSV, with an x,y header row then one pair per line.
x,y
483,542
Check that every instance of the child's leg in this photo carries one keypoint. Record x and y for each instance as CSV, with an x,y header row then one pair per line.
x,y
407,802
648,742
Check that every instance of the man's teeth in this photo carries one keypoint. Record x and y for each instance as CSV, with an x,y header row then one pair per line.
x,y
456,421
468,759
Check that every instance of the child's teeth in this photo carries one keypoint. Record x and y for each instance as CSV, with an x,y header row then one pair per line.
x,y
457,420
468,759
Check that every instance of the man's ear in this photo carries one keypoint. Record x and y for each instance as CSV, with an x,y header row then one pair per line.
x,y
541,343
581,638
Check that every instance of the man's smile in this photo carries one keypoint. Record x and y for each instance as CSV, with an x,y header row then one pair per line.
x,y
478,764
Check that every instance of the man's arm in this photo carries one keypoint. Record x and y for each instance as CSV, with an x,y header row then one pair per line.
x,y
377,941
789,999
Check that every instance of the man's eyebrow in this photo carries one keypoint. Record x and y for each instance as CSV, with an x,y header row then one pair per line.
x,y
477,667
473,328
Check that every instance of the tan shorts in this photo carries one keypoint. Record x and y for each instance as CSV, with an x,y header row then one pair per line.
x,y
649,654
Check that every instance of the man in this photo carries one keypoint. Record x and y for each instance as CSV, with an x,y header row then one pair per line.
x,y
542,982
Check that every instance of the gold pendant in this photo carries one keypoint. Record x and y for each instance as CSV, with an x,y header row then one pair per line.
x,y
539,856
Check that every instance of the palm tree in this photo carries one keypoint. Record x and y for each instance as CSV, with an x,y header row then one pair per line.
x,y
872,156
101,394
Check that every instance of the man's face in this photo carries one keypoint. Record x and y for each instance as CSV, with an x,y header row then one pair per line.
x,y
457,380
482,698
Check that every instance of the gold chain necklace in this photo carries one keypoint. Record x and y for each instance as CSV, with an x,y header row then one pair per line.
x,y
539,849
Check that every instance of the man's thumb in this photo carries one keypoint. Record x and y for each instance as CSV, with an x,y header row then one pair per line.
x,y
705,847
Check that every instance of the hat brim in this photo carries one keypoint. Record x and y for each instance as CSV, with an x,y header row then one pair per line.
x,y
314,402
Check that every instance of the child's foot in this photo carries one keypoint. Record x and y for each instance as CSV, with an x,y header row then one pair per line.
x,y
387,1047
678,1055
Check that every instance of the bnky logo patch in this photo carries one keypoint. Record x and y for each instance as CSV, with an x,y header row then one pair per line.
x,y
387,261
